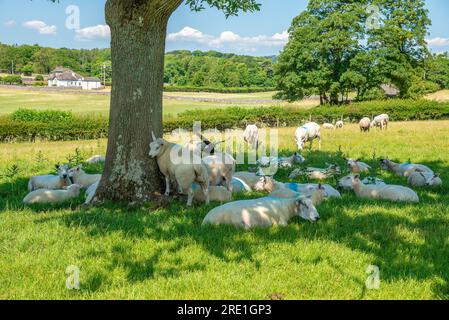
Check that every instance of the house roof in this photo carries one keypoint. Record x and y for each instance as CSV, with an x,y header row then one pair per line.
x,y
92,79
66,76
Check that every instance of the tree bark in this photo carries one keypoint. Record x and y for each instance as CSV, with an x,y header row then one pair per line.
x,y
138,32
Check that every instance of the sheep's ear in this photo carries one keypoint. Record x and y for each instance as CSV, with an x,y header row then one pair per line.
x,y
437,175
153,136
57,166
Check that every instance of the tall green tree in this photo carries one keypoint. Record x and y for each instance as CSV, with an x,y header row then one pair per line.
x,y
138,34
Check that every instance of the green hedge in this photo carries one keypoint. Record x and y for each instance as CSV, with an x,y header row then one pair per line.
x,y
12,79
47,116
97,127
218,90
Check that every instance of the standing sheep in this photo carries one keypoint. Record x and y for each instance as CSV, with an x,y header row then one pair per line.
x,y
51,181
251,136
339,124
221,168
43,196
365,125
381,121
388,192
308,132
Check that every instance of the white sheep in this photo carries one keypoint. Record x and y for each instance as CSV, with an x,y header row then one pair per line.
x,y
339,124
422,179
262,213
381,121
251,136
308,132
404,169
43,196
388,192
188,174
356,166
365,124
328,126
317,173
345,183
281,162
82,178
317,194
96,159
329,191
256,182
221,168
51,181
216,193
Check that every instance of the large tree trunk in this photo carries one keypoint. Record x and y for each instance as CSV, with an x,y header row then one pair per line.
x,y
138,32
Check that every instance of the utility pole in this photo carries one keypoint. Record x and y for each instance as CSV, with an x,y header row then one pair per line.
x,y
104,74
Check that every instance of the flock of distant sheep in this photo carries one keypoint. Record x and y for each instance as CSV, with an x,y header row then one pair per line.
x,y
214,178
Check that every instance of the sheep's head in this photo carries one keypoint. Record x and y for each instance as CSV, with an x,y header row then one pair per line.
x,y
63,171
384,164
264,184
156,147
433,180
297,158
345,183
355,180
306,209
78,170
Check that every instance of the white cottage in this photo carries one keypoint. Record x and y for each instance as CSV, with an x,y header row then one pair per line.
x,y
62,77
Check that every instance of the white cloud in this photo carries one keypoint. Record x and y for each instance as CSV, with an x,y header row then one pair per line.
x,y
10,23
93,33
438,42
230,40
40,26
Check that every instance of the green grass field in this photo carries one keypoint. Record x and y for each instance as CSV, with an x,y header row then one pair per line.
x,y
82,103
166,254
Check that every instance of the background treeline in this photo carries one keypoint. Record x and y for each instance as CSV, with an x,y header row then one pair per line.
x,y
30,125
182,68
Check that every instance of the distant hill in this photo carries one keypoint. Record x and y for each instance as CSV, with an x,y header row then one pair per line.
x,y
182,67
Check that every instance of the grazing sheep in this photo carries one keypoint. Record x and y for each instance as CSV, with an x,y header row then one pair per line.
x,y
308,132
317,194
388,192
339,124
96,159
381,121
251,136
345,183
216,193
82,178
239,186
51,181
404,169
262,213
317,173
43,196
365,124
256,182
328,126
221,168
90,192
356,166
422,179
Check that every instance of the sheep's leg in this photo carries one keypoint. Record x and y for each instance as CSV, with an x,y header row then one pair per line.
x,y
190,196
167,186
206,193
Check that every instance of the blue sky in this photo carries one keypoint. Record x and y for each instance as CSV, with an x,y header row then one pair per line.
x,y
261,33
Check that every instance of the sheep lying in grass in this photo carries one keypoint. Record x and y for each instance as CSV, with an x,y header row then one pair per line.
x,y
345,183
82,178
422,179
329,191
317,173
96,159
262,213
388,192
216,193
317,194
43,196
328,126
365,124
356,166
281,162
51,181
308,132
240,186
255,182
404,169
